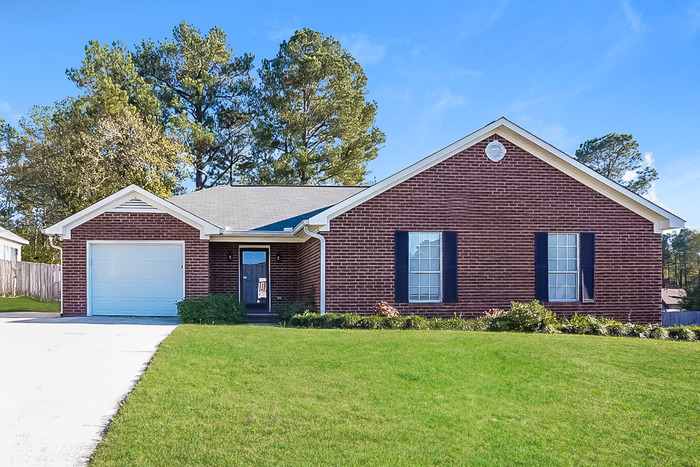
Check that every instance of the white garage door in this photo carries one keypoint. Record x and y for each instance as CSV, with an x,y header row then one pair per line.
x,y
136,279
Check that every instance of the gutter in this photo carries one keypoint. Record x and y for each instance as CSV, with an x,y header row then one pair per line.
x,y
61,262
322,239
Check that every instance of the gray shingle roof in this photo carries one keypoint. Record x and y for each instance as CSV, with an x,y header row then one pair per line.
x,y
272,208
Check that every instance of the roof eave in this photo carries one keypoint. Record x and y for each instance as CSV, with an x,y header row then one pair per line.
x,y
660,217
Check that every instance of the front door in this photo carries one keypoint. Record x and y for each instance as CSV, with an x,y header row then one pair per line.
x,y
255,290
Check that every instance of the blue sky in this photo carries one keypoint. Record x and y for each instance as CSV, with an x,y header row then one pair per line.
x,y
567,72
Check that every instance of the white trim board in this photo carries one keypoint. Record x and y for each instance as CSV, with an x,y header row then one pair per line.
x,y
64,227
661,218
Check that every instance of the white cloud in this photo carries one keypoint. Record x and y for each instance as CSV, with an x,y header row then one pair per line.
x,y
651,195
5,107
693,14
632,17
363,49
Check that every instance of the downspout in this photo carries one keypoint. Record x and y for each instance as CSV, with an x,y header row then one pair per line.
x,y
322,239
60,250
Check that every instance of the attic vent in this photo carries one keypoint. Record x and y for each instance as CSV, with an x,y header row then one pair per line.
x,y
135,204
495,151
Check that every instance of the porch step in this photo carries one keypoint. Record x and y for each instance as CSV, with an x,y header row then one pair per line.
x,y
262,318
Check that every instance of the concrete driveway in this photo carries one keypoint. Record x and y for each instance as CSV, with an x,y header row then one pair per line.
x,y
61,380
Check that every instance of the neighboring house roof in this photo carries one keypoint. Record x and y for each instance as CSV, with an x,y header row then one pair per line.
x,y
267,208
6,234
662,218
672,297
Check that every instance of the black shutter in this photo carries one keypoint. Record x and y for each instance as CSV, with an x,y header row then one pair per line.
x,y
401,266
541,267
449,267
587,266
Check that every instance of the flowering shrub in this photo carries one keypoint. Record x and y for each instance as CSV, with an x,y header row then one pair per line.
x,y
525,317
384,309
493,312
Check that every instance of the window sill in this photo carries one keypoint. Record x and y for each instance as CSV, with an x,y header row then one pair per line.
x,y
425,301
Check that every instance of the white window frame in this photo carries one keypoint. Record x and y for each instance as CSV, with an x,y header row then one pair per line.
x,y
578,268
14,252
439,299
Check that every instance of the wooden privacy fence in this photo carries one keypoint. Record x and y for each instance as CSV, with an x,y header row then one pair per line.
x,y
37,280
680,318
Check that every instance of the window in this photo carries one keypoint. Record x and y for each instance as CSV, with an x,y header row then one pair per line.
x,y
424,267
563,267
14,253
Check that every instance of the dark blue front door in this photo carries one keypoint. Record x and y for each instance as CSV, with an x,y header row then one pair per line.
x,y
254,279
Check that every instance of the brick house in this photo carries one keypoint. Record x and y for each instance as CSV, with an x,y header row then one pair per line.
x,y
499,215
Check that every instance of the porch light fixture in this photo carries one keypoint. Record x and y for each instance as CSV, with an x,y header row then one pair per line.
x,y
229,257
278,257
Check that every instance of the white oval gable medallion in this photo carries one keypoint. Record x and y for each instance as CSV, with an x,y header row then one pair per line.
x,y
495,151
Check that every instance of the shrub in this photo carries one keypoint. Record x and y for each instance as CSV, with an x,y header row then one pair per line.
x,y
681,333
637,330
349,320
306,319
286,310
437,324
525,317
696,330
384,309
592,325
618,329
657,332
330,320
371,322
212,309
416,322
394,322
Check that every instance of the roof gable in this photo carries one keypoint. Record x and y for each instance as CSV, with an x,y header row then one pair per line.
x,y
662,218
11,236
132,199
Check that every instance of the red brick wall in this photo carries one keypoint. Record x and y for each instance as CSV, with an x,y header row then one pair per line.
x,y
130,226
310,269
495,208
284,275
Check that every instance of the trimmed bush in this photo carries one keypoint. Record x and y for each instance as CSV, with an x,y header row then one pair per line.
x,y
520,317
592,325
525,317
681,333
350,320
416,322
618,329
286,310
371,322
212,309
696,330
394,322
657,332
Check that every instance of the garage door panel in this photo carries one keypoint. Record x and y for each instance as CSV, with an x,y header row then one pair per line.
x,y
136,279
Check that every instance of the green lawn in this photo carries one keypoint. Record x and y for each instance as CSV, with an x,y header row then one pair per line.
x,y
221,395
8,304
